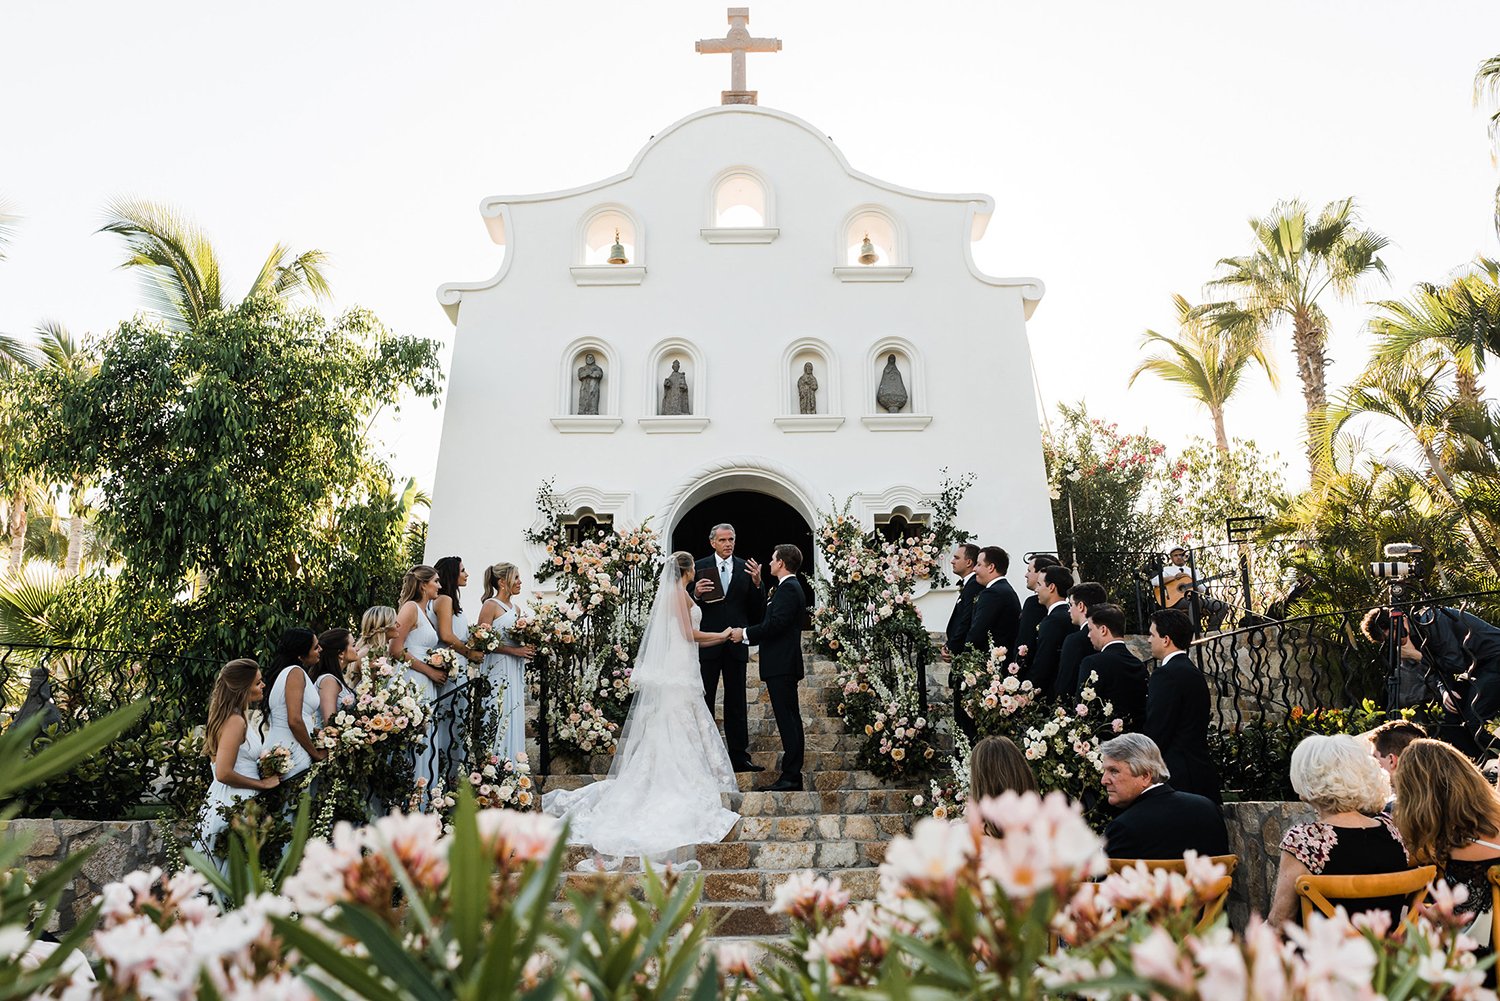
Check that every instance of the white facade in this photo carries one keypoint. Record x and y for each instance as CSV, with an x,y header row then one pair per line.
x,y
742,226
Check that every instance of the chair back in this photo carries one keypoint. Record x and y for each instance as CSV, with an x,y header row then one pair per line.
x,y
1494,877
1217,894
1316,891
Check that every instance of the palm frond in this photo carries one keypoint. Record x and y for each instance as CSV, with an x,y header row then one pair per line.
x,y
15,354
286,278
9,224
24,602
183,281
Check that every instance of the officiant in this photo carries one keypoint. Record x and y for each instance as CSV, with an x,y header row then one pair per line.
x,y
728,589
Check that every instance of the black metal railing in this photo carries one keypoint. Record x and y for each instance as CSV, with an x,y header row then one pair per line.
x,y
461,736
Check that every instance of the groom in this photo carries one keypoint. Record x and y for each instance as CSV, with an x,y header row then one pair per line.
x,y
780,640
741,604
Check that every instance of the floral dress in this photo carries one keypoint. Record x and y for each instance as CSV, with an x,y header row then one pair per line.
x,y
1327,850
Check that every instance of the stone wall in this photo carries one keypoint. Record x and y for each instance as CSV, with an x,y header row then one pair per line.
x,y
1255,831
122,847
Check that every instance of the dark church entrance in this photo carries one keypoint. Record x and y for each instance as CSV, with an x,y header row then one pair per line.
x,y
761,522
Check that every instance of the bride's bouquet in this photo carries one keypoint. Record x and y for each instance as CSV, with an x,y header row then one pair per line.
x,y
486,639
275,760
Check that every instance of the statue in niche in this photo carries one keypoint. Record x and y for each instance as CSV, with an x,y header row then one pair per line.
x,y
674,397
590,375
892,392
807,390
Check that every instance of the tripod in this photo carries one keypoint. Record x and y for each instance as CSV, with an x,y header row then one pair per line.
x,y
1399,592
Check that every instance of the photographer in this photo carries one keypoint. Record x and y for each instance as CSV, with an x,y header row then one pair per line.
x,y
1461,652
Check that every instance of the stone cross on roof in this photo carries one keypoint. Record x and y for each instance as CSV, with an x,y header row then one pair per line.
x,y
737,43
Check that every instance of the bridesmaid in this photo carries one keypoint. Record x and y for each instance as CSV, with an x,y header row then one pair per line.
x,y
416,635
339,656
453,633
377,631
294,700
233,751
506,669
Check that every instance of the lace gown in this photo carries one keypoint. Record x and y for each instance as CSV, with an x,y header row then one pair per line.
x,y
663,793
280,731
247,763
507,676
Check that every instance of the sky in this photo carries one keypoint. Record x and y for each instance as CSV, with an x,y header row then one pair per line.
x,y
1125,145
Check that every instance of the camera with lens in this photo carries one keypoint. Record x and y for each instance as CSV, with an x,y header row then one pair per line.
x,y
1403,561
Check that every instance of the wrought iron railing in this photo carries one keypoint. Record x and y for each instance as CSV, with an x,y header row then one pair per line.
x,y
464,730
86,683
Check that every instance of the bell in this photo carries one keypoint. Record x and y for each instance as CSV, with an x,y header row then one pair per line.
x,y
867,251
617,252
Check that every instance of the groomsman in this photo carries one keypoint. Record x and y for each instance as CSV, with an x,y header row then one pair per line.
x,y
969,586
1051,589
780,640
1177,706
742,603
1076,645
1122,675
1032,610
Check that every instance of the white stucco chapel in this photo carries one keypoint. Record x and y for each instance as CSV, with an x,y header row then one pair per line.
x,y
649,338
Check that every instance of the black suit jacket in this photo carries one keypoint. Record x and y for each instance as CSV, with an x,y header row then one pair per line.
x,y
1075,647
1031,617
963,614
743,604
1164,823
1042,668
1177,718
1122,682
997,611
780,635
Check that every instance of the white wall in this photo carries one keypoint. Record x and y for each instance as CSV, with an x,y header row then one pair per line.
x,y
742,306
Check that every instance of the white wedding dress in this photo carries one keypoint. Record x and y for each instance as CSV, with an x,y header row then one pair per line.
x,y
662,795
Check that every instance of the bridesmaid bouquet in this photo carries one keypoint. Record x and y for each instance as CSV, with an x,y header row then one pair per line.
x,y
443,659
486,639
547,627
275,760
498,783
383,708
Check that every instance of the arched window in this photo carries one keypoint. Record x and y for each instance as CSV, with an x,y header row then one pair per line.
x,y
610,248
740,202
872,247
602,234
586,524
901,523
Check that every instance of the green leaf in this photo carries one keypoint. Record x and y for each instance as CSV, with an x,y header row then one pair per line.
x,y
468,879
389,955
21,772
324,956
293,856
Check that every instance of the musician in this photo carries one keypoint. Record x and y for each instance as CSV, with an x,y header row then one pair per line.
x,y
1191,599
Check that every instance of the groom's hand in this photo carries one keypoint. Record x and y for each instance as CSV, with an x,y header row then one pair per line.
x,y
736,634
753,569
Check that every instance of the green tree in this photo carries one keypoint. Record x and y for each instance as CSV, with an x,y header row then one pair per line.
x,y
1461,317
1207,359
65,356
1295,263
232,455
1487,89
183,280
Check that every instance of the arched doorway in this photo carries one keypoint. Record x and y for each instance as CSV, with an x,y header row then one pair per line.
x,y
761,523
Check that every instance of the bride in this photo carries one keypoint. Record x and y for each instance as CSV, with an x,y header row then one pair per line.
x,y
662,793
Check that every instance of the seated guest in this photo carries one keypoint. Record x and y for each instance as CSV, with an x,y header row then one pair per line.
x,y
1157,821
1055,626
1337,777
1031,609
1177,706
1075,645
996,765
1120,676
1449,816
1387,741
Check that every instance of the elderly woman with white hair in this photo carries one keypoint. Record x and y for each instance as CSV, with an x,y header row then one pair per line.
x,y
1351,837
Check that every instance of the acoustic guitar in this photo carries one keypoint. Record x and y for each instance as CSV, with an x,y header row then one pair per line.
x,y
1174,590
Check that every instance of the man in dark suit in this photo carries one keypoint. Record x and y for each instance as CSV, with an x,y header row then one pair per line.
x,y
1156,821
965,561
1121,676
1041,670
1076,645
779,637
742,603
1460,653
1177,706
1031,609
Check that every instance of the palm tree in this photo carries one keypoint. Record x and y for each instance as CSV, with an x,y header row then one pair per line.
x,y
13,351
1487,88
63,354
1462,318
1294,263
183,281
1207,359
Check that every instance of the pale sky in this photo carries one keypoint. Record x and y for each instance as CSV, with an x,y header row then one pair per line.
x,y
1125,145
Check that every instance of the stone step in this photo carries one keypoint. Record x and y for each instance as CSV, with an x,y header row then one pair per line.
x,y
764,803
751,885
821,780
773,856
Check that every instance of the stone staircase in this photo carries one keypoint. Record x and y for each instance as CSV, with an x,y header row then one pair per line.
x,y
840,826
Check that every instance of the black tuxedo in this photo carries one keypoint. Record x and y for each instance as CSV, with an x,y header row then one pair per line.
x,y
1031,617
1075,647
963,614
1046,656
779,637
743,604
1177,718
1122,682
1164,823
997,611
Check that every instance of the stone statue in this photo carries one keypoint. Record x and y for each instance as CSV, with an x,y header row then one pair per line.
x,y
892,392
807,391
590,375
674,397
39,699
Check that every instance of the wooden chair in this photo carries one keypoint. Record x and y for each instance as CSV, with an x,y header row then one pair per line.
x,y
1218,892
1494,876
1315,891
